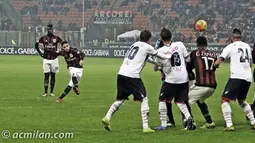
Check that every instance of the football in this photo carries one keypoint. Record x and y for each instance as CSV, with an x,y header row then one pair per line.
x,y
201,25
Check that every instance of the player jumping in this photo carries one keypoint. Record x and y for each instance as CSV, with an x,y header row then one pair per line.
x,y
176,85
129,80
74,60
205,83
50,61
240,79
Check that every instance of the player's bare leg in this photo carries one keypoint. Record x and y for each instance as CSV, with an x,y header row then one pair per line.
x,y
114,107
248,112
66,91
52,83
46,84
226,110
204,110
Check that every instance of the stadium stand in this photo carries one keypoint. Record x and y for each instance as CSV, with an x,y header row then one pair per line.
x,y
179,16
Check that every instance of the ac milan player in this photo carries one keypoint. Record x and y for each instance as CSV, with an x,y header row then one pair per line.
x,y
205,84
74,60
49,42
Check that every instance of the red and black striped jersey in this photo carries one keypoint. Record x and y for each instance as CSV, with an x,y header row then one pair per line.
x,y
72,57
202,61
50,42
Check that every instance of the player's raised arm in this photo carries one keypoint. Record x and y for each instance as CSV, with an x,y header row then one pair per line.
x,y
153,52
224,55
185,52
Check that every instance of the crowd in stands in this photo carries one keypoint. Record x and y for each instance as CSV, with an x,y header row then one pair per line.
x,y
221,15
5,23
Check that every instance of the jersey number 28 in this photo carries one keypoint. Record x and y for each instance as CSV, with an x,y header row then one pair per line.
x,y
175,60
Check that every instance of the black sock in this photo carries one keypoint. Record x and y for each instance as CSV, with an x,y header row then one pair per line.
x,y
52,81
66,91
46,82
75,81
204,109
170,112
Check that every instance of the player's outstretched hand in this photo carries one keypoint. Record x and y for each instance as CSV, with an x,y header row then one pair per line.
x,y
81,62
157,67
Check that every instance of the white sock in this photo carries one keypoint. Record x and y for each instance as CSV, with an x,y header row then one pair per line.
x,y
184,110
115,106
163,113
145,112
226,110
248,112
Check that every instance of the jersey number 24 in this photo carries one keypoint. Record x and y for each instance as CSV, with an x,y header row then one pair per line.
x,y
243,56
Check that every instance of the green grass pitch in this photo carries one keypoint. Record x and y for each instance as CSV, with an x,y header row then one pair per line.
x,y
22,109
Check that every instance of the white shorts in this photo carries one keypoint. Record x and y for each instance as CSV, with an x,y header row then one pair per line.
x,y
199,93
50,66
75,72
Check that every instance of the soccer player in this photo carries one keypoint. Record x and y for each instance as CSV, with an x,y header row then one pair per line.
x,y
171,122
205,83
74,60
50,61
240,78
129,80
176,84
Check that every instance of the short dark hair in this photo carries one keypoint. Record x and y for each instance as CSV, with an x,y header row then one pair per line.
x,y
165,34
145,36
64,42
49,26
237,33
201,41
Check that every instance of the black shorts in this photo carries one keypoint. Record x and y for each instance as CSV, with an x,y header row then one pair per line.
x,y
236,89
178,92
127,86
253,107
